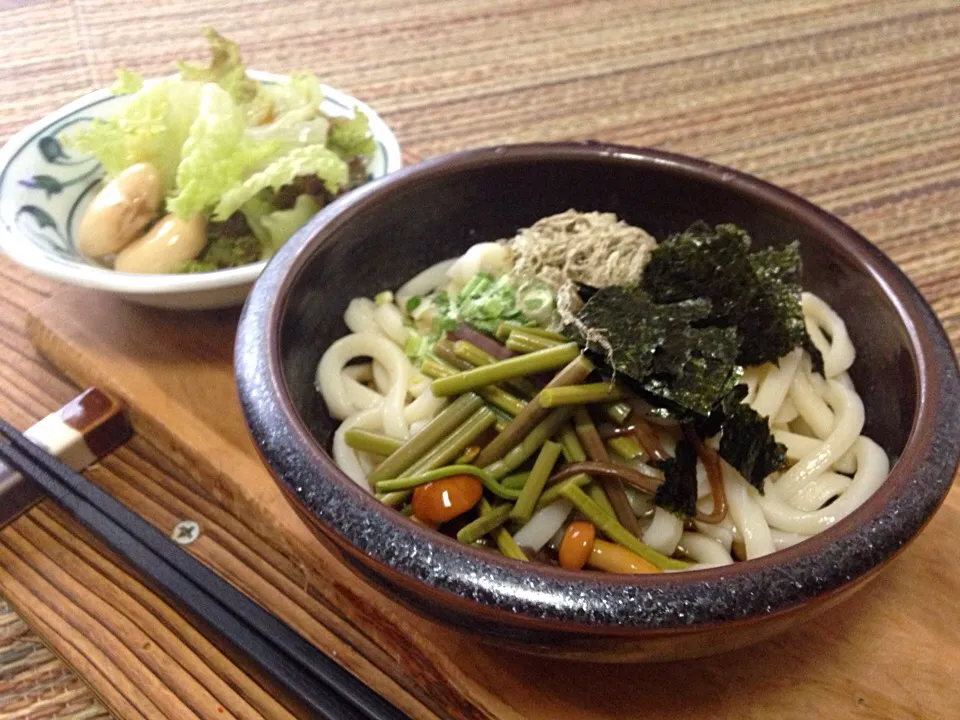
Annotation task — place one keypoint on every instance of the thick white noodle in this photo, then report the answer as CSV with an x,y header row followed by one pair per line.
x,y
799,445
664,532
787,412
846,463
849,415
381,378
419,385
491,257
359,396
752,377
722,532
543,525
776,383
872,468
425,282
359,316
344,455
640,503
746,514
782,540
845,380
815,494
329,378
390,320
820,319
810,405
704,549
703,481
423,407
361,372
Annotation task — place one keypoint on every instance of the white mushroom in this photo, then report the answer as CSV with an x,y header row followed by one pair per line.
x,y
120,211
168,244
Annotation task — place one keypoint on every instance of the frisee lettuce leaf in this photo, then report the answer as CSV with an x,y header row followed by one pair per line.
x,y
216,154
281,224
222,141
351,136
152,127
315,160
127,82
225,69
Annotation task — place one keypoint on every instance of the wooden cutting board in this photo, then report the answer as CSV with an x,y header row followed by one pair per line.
x,y
891,652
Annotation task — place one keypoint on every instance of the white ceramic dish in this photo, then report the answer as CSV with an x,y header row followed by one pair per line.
x,y
44,191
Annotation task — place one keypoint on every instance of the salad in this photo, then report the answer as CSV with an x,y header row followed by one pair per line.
x,y
211,169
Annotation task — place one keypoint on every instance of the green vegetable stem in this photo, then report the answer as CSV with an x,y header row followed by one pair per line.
x,y
513,367
418,445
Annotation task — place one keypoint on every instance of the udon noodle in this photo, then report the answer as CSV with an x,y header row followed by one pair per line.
x,y
371,380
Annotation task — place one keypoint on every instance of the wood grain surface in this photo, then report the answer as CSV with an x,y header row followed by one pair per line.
x,y
183,403
855,105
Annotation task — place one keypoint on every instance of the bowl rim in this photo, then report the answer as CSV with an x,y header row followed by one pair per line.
x,y
505,590
91,276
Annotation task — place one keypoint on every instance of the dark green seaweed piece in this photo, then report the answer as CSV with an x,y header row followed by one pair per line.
x,y
659,349
678,491
694,367
757,293
747,443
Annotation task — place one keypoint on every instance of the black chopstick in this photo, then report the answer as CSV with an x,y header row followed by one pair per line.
x,y
310,680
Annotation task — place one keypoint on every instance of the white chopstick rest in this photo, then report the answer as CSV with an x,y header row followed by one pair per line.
x,y
62,441
80,433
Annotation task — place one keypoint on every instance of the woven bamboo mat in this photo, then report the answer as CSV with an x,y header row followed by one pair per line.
x,y
854,104
34,683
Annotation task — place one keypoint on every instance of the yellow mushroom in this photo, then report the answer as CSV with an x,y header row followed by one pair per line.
x,y
168,244
120,211
616,559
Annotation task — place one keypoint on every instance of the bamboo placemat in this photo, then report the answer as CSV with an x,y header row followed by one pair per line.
x,y
34,683
853,104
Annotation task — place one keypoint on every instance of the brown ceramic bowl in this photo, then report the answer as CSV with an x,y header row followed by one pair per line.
x,y
385,232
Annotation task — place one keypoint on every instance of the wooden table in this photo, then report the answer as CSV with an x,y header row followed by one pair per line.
x,y
853,104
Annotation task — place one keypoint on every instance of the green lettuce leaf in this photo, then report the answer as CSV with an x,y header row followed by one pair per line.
x,y
351,136
225,69
216,154
152,127
301,161
127,82
281,224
